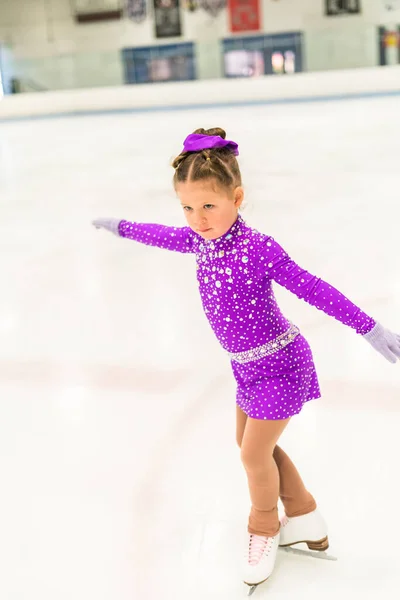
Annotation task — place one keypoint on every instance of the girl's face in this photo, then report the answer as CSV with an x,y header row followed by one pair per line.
x,y
209,209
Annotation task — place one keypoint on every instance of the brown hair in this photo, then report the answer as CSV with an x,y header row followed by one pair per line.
x,y
217,164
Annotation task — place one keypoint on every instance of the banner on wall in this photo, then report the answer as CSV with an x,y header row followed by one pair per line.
x,y
136,10
213,7
244,15
342,7
91,11
389,45
167,18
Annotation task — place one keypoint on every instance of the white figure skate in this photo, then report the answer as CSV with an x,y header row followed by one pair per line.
x,y
307,529
260,560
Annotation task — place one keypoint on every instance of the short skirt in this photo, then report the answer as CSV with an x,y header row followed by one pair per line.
x,y
277,386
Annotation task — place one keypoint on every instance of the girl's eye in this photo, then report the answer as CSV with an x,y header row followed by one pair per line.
x,y
187,208
209,206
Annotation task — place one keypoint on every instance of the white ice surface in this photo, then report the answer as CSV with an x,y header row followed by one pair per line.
x,y
119,474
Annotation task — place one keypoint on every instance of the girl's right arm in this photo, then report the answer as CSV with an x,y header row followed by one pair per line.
x,y
177,239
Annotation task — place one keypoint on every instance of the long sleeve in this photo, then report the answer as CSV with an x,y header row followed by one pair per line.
x,y
177,239
275,263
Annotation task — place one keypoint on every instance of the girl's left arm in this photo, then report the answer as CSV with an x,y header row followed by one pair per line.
x,y
275,263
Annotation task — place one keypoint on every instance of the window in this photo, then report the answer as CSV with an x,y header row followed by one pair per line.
x,y
159,63
252,56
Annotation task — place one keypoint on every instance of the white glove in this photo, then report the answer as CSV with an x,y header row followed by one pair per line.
x,y
384,341
108,224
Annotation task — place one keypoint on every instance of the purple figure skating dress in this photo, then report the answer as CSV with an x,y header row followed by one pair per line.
x,y
271,361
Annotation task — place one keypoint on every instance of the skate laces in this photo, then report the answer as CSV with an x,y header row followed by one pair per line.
x,y
257,546
284,521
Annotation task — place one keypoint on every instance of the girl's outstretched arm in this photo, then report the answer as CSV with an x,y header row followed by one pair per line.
x,y
177,239
275,263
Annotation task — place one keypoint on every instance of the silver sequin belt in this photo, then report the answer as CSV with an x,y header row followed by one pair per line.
x,y
269,348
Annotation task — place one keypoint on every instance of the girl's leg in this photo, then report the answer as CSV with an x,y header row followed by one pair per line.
x,y
295,498
294,495
258,443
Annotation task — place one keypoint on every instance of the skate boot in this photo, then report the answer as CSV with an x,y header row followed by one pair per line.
x,y
260,559
310,529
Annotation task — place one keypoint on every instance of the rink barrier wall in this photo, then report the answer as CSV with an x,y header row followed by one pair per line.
x,y
302,87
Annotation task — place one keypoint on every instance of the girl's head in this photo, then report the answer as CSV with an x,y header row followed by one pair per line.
x,y
208,183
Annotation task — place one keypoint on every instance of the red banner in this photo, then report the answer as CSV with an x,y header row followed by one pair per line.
x,y
244,15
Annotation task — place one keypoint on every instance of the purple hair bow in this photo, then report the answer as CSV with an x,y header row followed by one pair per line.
x,y
195,142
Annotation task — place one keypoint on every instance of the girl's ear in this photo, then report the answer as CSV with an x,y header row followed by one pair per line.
x,y
238,195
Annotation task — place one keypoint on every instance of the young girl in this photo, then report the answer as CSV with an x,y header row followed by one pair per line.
x,y
271,361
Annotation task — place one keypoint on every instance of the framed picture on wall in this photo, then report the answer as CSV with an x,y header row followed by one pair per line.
x,y
167,17
342,7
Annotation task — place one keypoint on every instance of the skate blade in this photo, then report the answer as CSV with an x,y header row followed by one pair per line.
x,y
254,586
253,589
313,553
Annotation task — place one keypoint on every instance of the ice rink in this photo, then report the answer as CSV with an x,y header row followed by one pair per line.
x,y
120,477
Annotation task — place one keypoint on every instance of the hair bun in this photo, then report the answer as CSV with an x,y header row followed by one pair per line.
x,y
212,131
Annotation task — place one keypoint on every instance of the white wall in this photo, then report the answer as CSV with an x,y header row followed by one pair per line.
x,y
52,49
